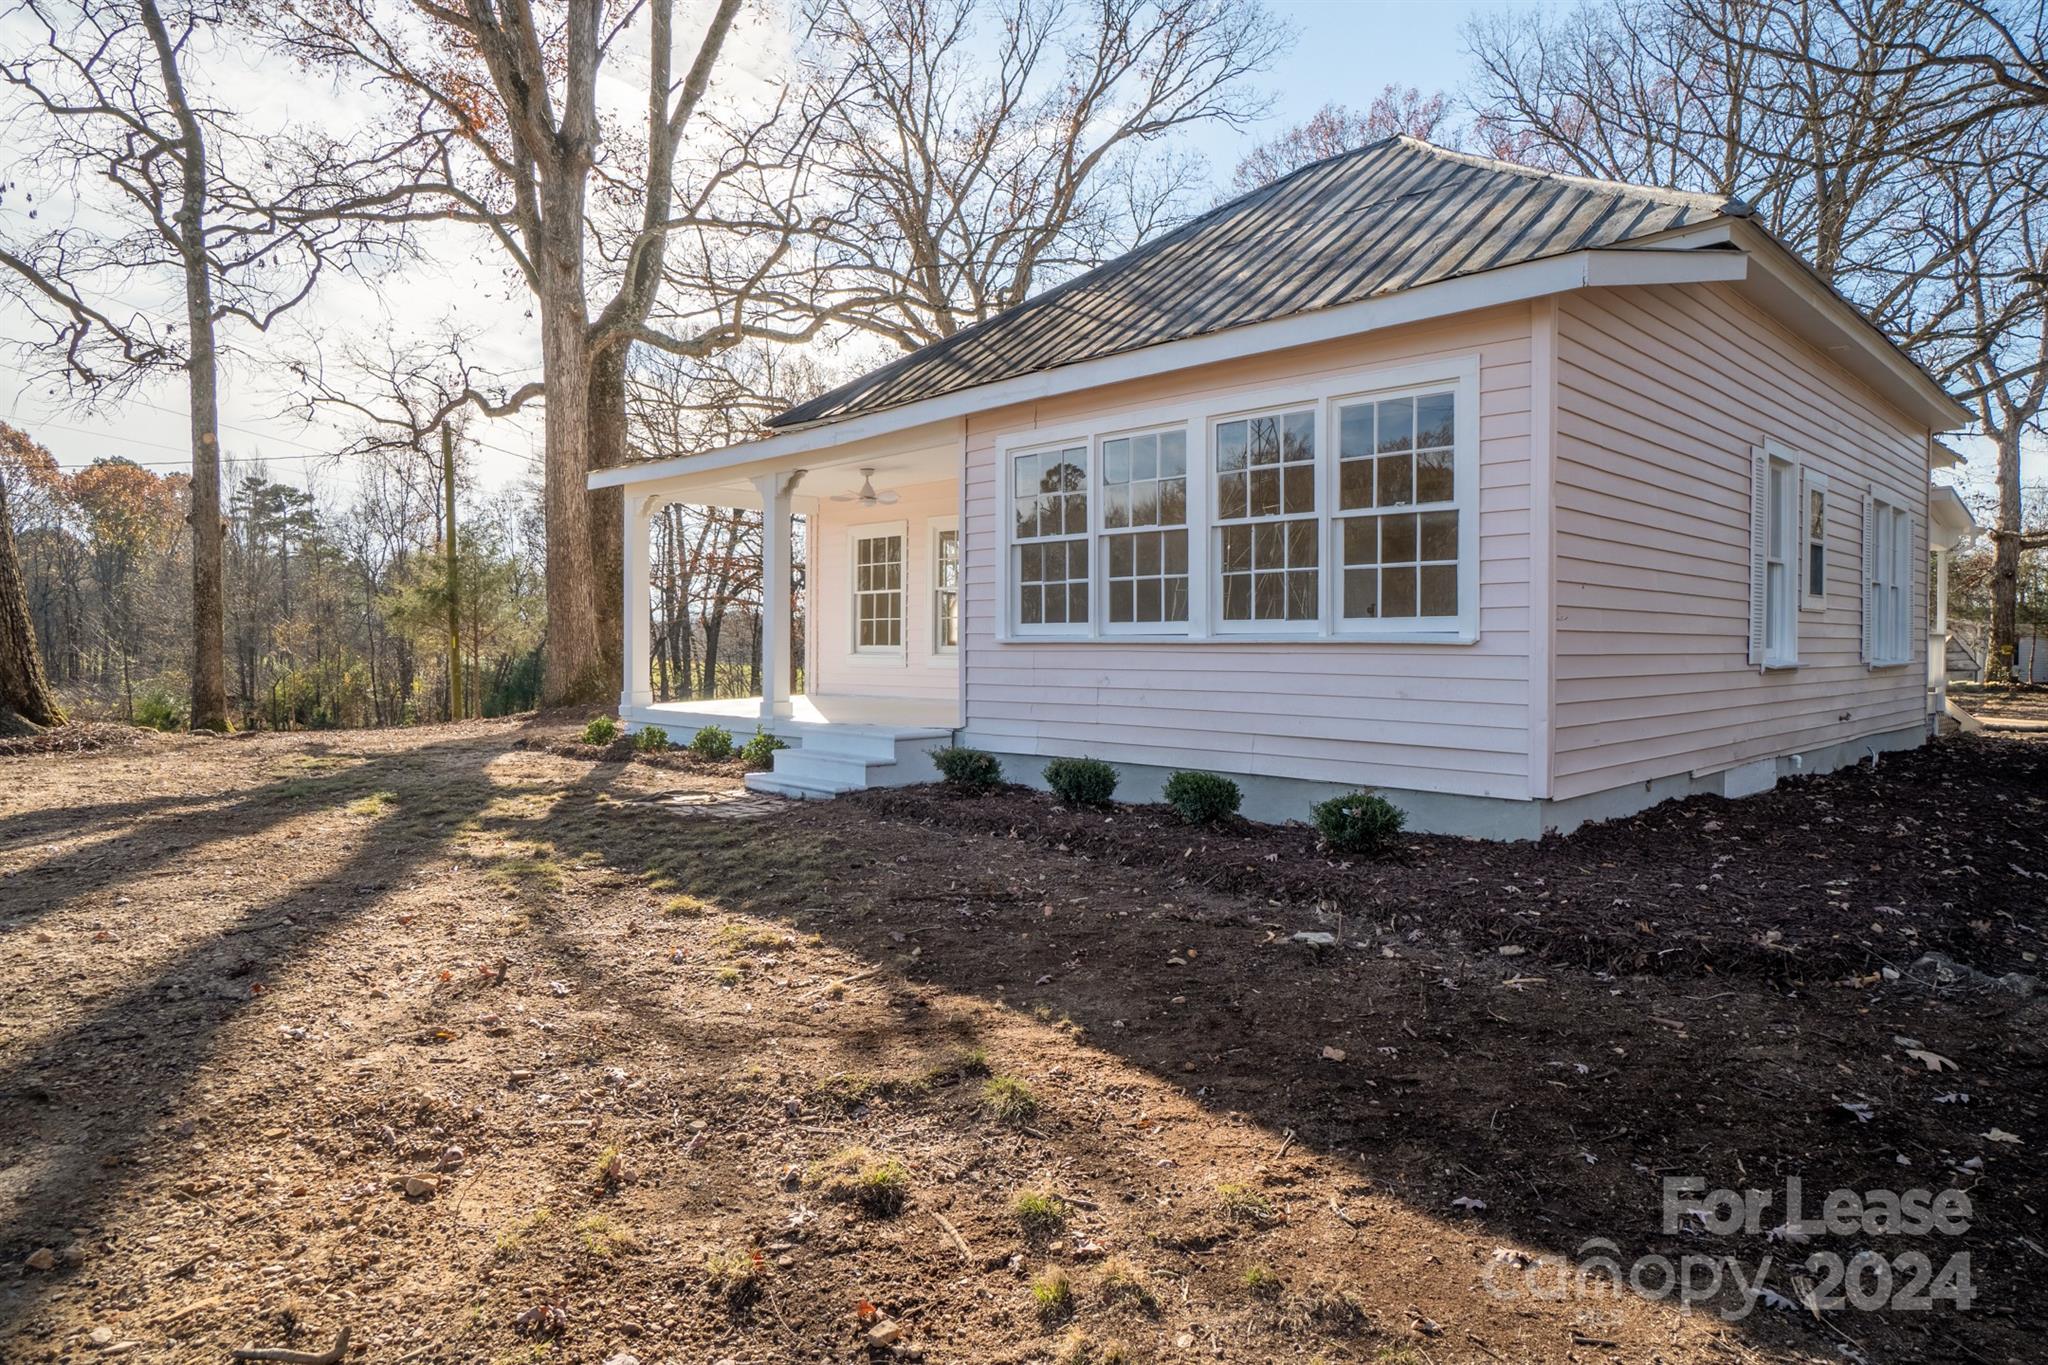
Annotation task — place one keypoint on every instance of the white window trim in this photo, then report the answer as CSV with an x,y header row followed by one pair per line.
x,y
1199,413
1765,652
1814,596
875,654
1099,533
943,654
1007,558
1878,504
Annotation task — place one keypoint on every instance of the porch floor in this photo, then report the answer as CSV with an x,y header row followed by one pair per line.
x,y
907,716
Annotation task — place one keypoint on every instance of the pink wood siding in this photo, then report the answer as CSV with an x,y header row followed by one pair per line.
x,y
1661,395
919,671
1445,718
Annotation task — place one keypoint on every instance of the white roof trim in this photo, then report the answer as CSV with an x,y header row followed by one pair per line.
x,y
1950,517
1487,289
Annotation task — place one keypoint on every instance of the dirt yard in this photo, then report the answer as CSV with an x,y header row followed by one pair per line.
x,y
486,1052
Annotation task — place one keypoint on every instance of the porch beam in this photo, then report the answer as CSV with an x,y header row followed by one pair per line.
x,y
775,490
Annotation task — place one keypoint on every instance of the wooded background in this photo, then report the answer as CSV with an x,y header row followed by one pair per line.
x,y
712,210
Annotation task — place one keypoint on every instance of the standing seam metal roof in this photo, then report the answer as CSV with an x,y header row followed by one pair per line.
x,y
1387,217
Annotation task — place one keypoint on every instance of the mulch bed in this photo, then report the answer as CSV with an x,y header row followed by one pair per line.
x,y
621,750
1937,850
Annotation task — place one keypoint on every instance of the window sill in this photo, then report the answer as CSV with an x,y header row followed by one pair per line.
x,y
879,656
1780,665
1416,637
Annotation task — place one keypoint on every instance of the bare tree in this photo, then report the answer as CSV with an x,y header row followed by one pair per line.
x,y
159,189
25,699
516,90
1334,129
968,153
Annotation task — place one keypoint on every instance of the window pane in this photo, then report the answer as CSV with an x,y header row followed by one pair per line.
x,y
1230,495
1397,593
1116,460
1265,440
1396,422
1116,507
1177,599
1268,601
1265,500
1237,597
1301,543
1433,420
1439,535
1230,445
1354,430
1147,553
1145,457
1176,551
1301,595
1397,539
1396,480
1433,478
1300,436
1120,599
1362,540
1301,488
1354,484
1173,454
1439,590
1027,475
1119,556
1361,592
1148,599
1237,548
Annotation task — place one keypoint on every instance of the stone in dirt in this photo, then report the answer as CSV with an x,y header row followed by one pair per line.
x,y
1316,940
887,1332
42,1258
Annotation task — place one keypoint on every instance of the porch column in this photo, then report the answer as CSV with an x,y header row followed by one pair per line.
x,y
775,647
637,687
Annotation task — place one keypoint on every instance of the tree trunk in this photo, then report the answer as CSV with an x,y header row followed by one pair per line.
x,y
23,688
2005,562
455,695
572,670
209,599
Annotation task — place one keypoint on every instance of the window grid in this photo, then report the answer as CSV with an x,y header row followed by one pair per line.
x,y
946,590
878,591
1891,584
1050,510
1268,532
1814,516
1144,484
1397,478
1781,528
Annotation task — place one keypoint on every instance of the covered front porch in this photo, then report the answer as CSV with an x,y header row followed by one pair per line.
x,y
877,581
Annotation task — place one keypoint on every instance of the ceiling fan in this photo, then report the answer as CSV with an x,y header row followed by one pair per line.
x,y
867,497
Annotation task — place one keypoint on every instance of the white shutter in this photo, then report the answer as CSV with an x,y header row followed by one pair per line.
x,y
1759,542
1868,570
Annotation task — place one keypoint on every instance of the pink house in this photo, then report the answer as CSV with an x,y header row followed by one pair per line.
x,y
1526,500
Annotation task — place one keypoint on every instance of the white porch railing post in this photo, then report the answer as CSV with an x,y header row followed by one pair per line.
x,y
637,686
775,645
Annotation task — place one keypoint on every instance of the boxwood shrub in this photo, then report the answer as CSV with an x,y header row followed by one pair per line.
x,y
1359,822
759,752
601,730
651,740
1202,798
713,742
1081,781
973,769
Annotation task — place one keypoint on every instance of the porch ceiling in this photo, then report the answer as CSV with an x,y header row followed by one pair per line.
x,y
924,454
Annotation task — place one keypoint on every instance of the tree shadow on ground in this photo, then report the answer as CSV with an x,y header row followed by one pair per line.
x,y
1558,1103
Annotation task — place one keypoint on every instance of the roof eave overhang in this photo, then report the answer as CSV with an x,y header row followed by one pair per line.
x,y
1607,268
1787,288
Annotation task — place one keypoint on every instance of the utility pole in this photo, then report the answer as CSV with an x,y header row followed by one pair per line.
x,y
456,705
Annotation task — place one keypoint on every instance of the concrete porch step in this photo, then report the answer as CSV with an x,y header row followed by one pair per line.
x,y
771,784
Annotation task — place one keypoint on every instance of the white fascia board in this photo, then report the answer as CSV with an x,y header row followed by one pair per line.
x,y
1488,289
1786,288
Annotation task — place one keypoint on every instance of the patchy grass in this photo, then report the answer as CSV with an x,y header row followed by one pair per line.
x,y
735,1278
1009,1100
1122,1282
375,804
1041,1213
606,1237
687,907
878,1186
512,1237
1261,1281
1244,1204
1053,1292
